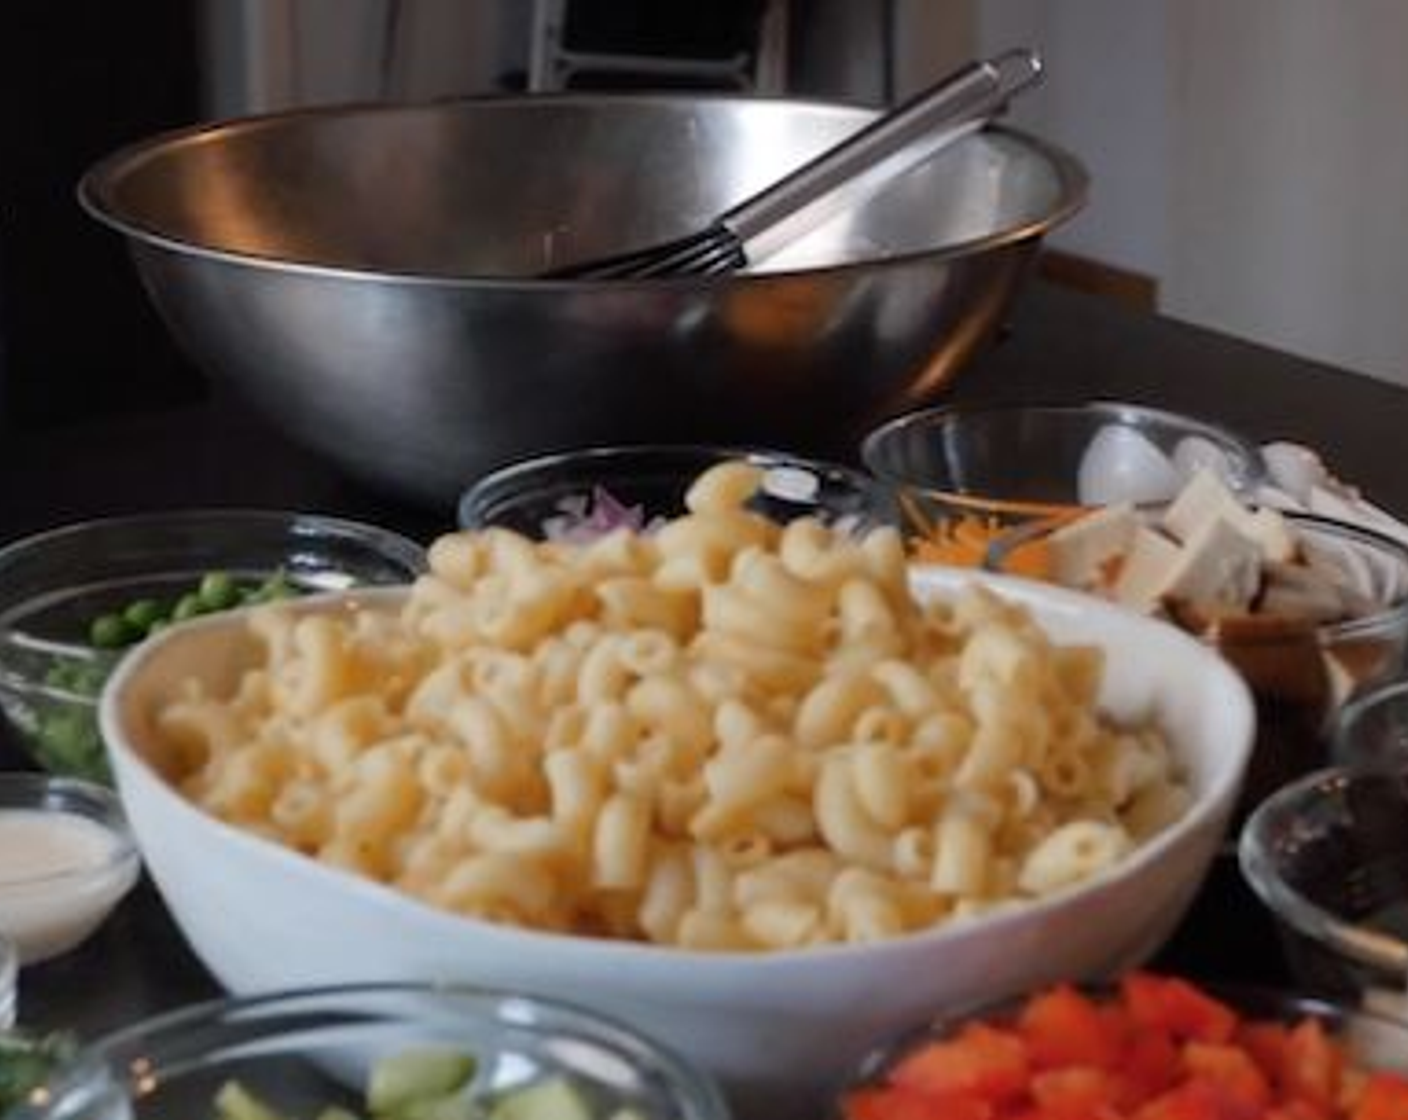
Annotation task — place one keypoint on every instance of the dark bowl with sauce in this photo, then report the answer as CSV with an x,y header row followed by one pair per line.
x,y
1328,855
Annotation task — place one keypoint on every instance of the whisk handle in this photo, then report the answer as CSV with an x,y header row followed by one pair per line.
x,y
951,107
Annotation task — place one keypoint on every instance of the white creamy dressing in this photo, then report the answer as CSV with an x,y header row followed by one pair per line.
x,y
58,879
35,844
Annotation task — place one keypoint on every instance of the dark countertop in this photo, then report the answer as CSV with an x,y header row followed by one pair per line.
x,y
1062,346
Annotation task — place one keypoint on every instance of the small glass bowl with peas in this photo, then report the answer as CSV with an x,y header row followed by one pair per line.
x,y
74,599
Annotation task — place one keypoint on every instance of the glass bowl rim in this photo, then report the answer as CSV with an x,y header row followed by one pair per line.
x,y
694,1091
9,977
44,793
490,487
23,686
393,546
1390,690
1116,412
1005,542
391,543
1381,951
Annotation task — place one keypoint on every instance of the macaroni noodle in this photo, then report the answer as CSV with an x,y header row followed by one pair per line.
x,y
725,735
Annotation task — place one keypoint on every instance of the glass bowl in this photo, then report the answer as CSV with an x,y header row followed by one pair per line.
x,y
302,1051
1375,1040
9,977
29,1058
1328,854
1301,674
963,473
579,494
1372,729
56,586
67,857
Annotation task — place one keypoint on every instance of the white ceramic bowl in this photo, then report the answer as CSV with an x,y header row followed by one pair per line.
x,y
772,1026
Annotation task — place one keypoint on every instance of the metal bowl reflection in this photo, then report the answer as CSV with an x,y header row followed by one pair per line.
x,y
365,274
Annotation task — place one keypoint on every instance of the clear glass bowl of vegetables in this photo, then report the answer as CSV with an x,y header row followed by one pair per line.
x,y
1145,1046
393,1051
75,598
578,495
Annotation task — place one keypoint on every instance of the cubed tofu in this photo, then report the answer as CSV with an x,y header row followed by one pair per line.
x,y
1273,533
1219,568
1204,499
1298,591
1150,563
1081,552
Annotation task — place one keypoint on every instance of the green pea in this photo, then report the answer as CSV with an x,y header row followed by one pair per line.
x,y
277,586
88,679
61,674
66,741
218,591
188,606
143,613
111,631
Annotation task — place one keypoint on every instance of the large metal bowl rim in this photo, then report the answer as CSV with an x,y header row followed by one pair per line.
x,y
94,195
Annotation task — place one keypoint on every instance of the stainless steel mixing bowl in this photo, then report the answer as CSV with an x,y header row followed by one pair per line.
x,y
364,274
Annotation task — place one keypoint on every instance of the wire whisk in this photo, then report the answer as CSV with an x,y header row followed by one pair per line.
x,y
843,175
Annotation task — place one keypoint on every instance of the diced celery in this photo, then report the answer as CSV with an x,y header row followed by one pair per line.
x,y
417,1075
456,1106
235,1102
553,1099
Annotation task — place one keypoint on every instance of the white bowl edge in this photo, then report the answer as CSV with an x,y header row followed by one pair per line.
x,y
779,995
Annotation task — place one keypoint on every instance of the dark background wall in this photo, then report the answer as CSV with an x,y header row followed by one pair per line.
x,y
77,79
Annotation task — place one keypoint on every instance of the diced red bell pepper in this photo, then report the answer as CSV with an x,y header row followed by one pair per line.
x,y
1385,1097
898,1102
1230,1069
1266,1043
1312,1066
1174,1005
1075,1093
1297,1110
1062,1027
981,1061
1193,1100
1152,1065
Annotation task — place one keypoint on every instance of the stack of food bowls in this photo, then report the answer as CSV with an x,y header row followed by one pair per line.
x,y
993,485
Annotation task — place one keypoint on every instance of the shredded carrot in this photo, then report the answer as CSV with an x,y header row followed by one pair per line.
x,y
965,541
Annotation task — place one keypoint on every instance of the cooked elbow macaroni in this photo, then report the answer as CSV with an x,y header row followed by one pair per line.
x,y
726,735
